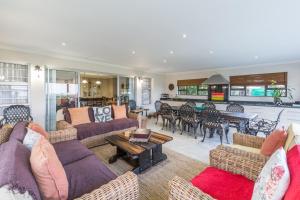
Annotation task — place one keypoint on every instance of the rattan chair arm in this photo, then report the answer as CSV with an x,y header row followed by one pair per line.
x,y
236,164
248,140
124,187
180,189
132,115
61,125
63,135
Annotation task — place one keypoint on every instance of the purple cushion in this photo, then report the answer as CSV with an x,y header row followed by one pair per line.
x,y
71,151
92,129
86,175
120,124
19,131
15,169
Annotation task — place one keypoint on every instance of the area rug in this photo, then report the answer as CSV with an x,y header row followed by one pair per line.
x,y
154,181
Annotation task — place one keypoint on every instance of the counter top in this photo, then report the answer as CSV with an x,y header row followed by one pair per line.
x,y
246,103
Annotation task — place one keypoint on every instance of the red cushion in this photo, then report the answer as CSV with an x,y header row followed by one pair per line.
x,y
224,185
293,158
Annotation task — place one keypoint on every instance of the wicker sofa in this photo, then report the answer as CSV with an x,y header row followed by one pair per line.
x,y
240,170
88,177
94,133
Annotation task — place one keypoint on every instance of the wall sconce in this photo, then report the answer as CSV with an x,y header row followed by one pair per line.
x,y
38,69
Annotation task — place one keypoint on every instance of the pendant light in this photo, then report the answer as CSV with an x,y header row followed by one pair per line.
x,y
84,81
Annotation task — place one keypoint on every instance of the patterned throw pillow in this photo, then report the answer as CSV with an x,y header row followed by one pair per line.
x,y
31,138
102,114
5,132
274,179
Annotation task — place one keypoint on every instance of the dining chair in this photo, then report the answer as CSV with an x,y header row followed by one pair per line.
x,y
264,126
235,107
208,104
157,105
133,108
188,118
191,103
16,113
214,123
168,117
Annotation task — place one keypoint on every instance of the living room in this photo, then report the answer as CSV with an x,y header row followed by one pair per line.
x,y
149,100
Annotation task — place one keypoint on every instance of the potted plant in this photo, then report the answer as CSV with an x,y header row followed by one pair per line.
x,y
278,93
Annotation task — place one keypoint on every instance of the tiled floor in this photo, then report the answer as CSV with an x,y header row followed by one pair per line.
x,y
186,144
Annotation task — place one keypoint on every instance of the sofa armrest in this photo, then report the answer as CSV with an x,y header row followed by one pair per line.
x,y
63,135
124,187
180,189
61,125
236,164
248,140
245,154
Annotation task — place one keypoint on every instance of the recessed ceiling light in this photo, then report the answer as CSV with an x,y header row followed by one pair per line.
x,y
256,57
63,44
211,52
133,52
171,52
184,35
165,61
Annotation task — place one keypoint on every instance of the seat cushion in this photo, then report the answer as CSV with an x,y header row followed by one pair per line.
x,y
124,123
19,131
92,129
293,159
86,175
223,185
245,148
15,170
71,151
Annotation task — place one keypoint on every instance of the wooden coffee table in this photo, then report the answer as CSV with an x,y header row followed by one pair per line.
x,y
139,154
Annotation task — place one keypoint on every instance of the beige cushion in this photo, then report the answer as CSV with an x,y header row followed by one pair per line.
x,y
5,132
293,136
245,148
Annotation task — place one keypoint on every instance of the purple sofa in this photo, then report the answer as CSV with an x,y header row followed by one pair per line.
x,y
94,133
88,177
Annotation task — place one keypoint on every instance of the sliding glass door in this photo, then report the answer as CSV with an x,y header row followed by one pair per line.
x,y
62,90
126,87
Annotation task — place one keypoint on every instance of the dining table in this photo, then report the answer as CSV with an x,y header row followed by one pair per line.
x,y
243,118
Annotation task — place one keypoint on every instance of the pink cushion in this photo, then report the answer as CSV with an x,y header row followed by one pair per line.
x,y
79,115
293,158
39,129
273,142
48,171
223,185
119,111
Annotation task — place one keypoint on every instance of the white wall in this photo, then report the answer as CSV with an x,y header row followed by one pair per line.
x,y
293,70
37,98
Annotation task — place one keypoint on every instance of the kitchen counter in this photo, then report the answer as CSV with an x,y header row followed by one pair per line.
x,y
245,103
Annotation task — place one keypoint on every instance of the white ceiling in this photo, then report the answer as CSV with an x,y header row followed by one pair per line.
x,y
238,32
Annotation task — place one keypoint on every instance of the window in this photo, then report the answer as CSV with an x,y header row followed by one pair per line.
x,y
259,85
146,91
202,90
14,85
193,90
255,91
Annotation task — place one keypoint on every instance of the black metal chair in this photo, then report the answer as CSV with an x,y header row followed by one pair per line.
x,y
235,107
16,113
191,103
168,117
264,126
133,108
188,118
210,105
157,105
214,123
